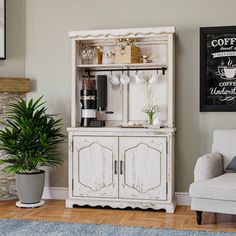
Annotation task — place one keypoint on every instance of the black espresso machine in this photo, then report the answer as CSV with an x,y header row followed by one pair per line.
x,y
93,98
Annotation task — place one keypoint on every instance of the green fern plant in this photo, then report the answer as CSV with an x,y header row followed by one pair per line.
x,y
30,137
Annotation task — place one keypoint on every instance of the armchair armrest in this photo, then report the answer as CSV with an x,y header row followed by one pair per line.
x,y
208,167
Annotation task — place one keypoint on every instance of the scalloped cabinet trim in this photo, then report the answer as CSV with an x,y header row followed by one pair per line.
x,y
117,33
113,203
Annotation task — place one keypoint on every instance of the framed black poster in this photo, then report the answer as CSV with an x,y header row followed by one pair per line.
x,y
2,29
218,68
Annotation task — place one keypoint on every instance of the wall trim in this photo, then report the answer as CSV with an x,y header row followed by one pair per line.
x,y
183,198
59,193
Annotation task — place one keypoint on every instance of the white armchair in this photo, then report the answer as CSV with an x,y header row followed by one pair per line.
x,y
214,190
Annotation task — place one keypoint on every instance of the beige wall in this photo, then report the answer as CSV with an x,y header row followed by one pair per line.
x,y
14,65
48,61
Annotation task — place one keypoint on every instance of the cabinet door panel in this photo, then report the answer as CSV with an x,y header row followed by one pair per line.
x,y
143,168
93,166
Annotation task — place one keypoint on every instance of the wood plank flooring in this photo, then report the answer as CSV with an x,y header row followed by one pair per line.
x,y
184,218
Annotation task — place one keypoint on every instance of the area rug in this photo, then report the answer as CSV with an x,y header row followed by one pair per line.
x,y
12,227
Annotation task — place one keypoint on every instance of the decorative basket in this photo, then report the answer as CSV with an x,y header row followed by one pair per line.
x,y
127,54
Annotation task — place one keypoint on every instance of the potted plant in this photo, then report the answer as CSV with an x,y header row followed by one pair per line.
x,y
29,138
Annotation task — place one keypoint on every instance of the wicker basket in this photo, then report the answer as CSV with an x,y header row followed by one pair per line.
x,y
127,54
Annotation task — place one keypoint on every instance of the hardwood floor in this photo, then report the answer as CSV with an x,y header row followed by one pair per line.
x,y
184,218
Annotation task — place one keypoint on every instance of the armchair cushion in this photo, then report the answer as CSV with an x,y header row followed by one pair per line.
x,y
232,165
222,187
208,166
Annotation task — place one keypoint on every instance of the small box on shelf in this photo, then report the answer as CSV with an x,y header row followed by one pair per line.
x,y
127,54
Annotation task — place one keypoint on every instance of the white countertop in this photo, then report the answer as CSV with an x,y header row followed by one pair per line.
x,y
120,129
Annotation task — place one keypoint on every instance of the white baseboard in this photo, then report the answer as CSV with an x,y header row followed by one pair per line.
x,y
55,193
182,198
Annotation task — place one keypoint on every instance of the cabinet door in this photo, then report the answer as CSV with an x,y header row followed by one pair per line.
x,y
142,168
95,166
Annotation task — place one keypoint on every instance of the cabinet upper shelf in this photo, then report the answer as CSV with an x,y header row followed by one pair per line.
x,y
120,66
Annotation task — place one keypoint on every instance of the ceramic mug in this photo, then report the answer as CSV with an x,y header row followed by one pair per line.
x,y
153,79
139,79
115,80
124,79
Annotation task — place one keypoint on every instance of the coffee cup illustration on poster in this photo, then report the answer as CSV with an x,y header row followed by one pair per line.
x,y
218,68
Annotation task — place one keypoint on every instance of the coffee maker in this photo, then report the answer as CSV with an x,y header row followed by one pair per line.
x,y
94,102
88,100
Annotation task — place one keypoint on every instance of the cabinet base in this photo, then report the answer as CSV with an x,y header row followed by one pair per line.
x,y
122,203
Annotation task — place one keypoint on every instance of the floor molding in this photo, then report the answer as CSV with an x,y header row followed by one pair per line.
x,y
58,193
182,198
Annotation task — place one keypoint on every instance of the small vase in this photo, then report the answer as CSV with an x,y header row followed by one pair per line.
x,y
150,118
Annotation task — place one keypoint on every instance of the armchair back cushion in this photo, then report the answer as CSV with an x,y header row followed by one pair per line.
x,y
224,142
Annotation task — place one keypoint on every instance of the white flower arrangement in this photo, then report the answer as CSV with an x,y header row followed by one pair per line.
x,y
151,109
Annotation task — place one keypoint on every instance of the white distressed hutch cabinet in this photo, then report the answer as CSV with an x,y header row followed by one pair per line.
x,y
125,166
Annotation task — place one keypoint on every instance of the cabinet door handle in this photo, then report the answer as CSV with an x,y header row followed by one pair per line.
x,y
115,167
121,167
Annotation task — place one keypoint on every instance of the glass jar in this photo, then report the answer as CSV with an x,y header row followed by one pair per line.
x,y
87,55
110,57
